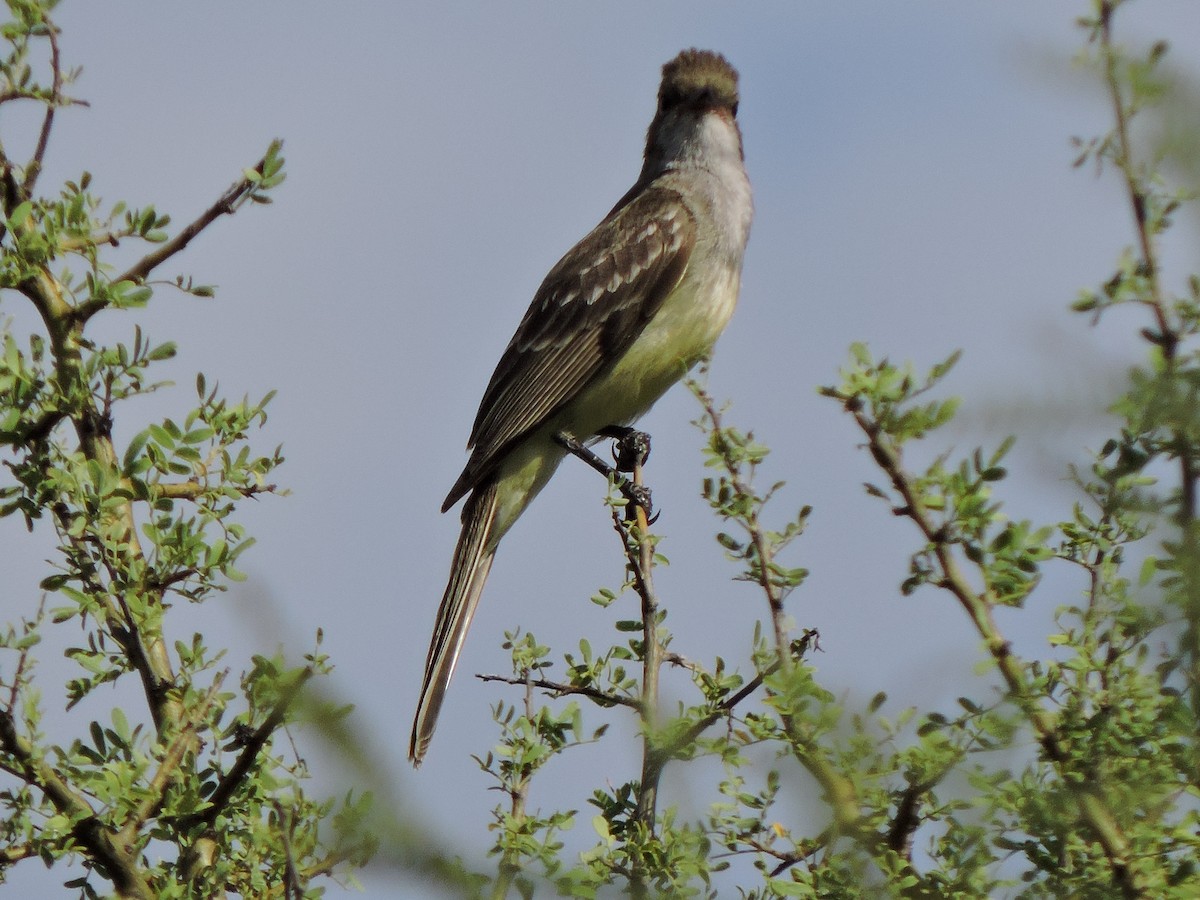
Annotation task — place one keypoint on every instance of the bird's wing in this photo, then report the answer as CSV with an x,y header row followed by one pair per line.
x,y
587,312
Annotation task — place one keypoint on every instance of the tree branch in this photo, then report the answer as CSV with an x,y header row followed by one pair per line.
x,y
37,430
559,689
150,657
839,790
16,853
254,744
906,821
1093,806
122,866
799,647
762,548
122,626
184,742
785,859
35,164
226,205
194,490
639,551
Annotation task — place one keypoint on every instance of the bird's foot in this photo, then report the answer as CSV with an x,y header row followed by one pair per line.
x,y
638,496
632,447
631,450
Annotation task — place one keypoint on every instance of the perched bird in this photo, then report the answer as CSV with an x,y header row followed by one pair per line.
x,y
618,320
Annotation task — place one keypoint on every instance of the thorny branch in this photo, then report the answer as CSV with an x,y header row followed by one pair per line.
x,y
1167,336
35,166
839,790
251,749
560,689
183,743
750,521
227,205
193,490
88,829
978,606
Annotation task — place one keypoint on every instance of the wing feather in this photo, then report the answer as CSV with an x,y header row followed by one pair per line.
x,y
590,308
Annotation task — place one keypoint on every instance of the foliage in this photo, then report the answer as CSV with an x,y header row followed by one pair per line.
x,y
190,794
1079,777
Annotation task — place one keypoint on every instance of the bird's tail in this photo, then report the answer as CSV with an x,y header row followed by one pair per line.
x,y
468,572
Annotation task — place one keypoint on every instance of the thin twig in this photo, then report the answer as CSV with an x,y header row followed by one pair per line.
x,y
123,627
762,548
16,853
559,689
639,544
22,663
184,742
293,889
636,494
639,553
518,793
1168,336
122,866
35,164
254,744
786,859
839,790
194,490
138,272
1092,803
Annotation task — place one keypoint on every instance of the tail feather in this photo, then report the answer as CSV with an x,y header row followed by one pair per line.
x,y
468,572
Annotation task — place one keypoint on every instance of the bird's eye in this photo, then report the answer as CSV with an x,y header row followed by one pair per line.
x,y
734,109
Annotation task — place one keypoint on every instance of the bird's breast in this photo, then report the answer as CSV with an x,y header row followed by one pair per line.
x,y
682,331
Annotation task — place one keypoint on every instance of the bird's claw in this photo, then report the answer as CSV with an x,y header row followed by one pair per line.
x,y
638,496
632,447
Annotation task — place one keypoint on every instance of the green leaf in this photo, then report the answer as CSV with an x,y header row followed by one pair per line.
x,y
198,435
19,215
163,351
161,437
120,724
133,451
26,641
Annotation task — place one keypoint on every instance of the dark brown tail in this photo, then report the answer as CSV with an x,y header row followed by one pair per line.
x,y
468,572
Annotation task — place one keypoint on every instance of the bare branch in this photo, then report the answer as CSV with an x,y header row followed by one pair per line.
x,y
225,206
559,689
35,164
194,490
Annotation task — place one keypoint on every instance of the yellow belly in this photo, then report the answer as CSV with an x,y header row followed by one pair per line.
x,y
679,335
683,331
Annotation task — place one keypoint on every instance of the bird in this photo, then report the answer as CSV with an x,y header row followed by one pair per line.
x,y
617,321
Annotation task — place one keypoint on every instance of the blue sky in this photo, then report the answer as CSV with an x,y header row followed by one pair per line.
x,y
911,166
